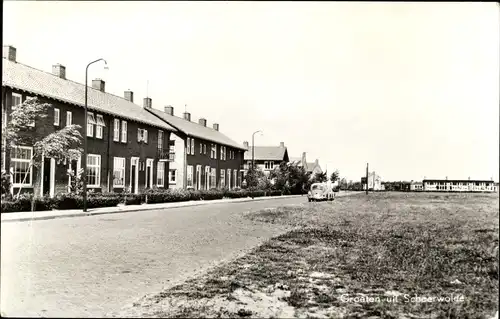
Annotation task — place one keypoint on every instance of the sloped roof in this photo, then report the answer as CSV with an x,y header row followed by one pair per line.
x,y
194,129
22,77
271,153
311,166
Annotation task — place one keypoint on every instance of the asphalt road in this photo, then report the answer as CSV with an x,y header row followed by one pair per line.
x,y
93,266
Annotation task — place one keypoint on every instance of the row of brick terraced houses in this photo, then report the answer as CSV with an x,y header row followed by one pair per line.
x,y
129,146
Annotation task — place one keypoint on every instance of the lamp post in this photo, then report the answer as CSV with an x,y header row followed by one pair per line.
x,y
253,148
85,137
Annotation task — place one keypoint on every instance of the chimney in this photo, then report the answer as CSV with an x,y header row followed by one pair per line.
x,y
245,144
9,53
129,96
169,109
148,103
282,144
203,122
316,161
187,116
216,126
98,84
59,70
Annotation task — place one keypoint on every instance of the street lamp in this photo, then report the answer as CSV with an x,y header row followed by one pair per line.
x,y
85,137
253,148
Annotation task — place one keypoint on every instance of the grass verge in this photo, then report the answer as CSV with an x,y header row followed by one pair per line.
x,y
385,255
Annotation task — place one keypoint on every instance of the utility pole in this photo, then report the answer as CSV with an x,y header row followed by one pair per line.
x,y
366,178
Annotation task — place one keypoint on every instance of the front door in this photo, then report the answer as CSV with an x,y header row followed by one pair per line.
x,y
46,176
198,176
133,173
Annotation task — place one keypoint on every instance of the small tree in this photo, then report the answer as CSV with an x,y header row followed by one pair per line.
x,y
280,175
320,177
254,177
59,145
298,179
335,176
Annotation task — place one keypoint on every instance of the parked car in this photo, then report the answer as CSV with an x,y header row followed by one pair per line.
x,y
320,191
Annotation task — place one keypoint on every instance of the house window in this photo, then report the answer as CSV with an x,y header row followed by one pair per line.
x,y
266,165
213,181
142,135
229,178
69,118
57,116
100,126
212,151
204,148
124,131
90,124
119,172
207,177
222,178
172,176
235,176
215,150
190,176
201,148
188,145
160,140
20,161
271,165
116,130
17,99
160,174
93,170
192,146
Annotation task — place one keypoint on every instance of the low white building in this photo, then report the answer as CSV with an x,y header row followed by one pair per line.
x,y
374,182
445,185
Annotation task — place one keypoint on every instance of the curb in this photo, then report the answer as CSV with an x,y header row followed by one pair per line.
x,y
136,209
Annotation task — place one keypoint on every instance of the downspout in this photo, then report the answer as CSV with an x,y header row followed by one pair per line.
x,y
109,157
185,161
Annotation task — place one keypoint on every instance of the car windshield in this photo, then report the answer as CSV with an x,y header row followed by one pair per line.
x,y
317,187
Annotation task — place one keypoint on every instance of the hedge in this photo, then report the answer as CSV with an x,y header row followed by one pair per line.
x,y
95,200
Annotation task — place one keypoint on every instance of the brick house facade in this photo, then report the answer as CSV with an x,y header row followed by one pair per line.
x,y
127,146
205,157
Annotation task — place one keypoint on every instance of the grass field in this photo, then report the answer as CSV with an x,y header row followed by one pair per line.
x,y
385,255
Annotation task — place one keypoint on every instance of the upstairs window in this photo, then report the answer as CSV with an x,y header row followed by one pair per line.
x,y
99,126
142,135
124,131
192,146
204,148
160,139
90,124
116,130
188,145
57,116
69,118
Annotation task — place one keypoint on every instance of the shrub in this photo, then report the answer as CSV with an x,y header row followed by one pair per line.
x,y
133,199
99,200
23,204
68,201
5,181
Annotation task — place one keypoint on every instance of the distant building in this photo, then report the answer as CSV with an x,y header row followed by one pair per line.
x,y
416,186
266,157
312,167
374,182
455,185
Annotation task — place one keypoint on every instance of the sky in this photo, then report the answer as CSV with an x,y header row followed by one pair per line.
x,y
412,89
